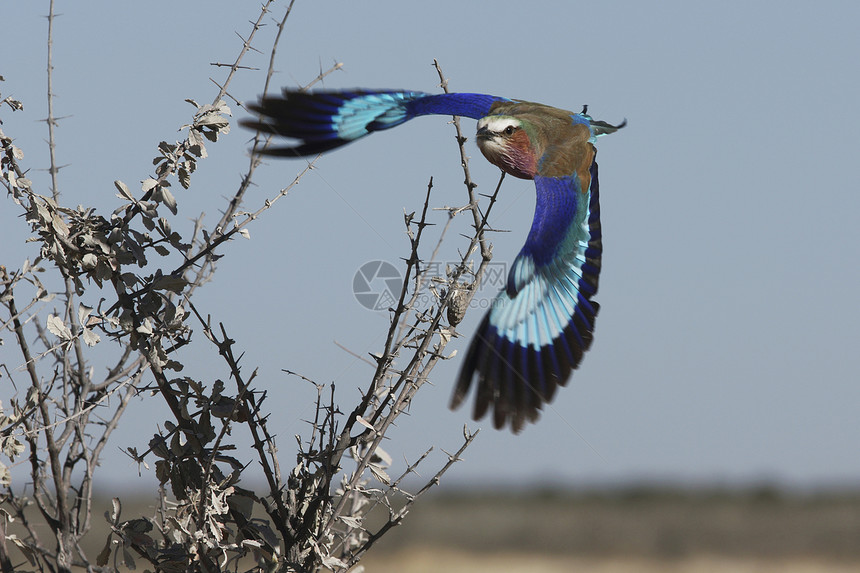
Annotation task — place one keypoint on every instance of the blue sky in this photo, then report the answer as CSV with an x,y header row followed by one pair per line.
x,y
725,349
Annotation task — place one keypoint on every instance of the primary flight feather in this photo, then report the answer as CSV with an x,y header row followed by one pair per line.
x,y
540,325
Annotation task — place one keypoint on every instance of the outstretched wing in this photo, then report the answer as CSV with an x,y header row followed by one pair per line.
x,y
324,120
539,327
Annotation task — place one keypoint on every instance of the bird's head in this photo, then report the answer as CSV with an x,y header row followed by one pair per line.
x,y
506,143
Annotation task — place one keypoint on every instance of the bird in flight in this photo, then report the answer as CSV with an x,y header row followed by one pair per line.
x,y
540,325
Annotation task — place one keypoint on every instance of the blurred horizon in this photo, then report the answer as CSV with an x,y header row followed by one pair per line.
x,y
640,530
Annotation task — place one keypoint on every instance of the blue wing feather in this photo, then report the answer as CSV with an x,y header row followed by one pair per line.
x,y
539,327
324,120
470,105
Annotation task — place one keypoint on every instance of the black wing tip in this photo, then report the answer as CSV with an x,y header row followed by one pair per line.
x,y
517,382
304,149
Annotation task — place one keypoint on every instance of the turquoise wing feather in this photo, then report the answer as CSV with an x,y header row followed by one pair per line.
x,y
540,326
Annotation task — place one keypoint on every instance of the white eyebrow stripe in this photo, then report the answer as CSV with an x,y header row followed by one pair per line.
x,y
498,123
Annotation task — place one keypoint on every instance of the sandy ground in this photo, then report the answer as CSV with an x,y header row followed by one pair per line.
x,y
637,531
441,560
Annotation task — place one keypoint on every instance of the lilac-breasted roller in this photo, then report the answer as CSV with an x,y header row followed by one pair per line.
x,y
540,325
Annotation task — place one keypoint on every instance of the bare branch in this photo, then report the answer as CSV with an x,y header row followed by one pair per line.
x,y
114,287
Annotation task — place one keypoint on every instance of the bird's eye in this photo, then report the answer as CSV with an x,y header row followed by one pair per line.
x,y
510,130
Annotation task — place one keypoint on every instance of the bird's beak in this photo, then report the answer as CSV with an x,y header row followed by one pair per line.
x,y
484,133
